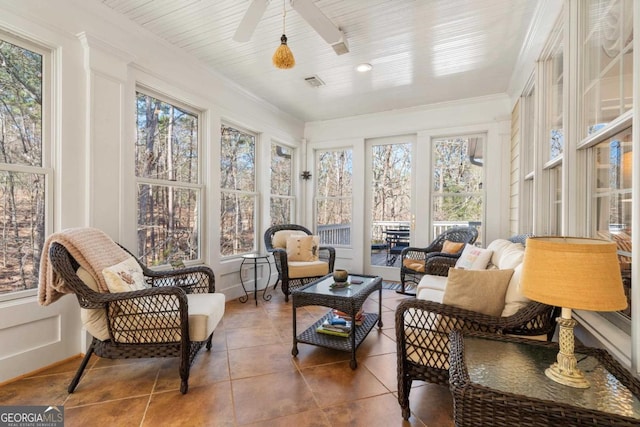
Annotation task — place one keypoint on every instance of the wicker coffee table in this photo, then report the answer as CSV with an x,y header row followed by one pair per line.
x,y
348,300
500,381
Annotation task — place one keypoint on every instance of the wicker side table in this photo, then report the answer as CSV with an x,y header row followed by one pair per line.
x,y
499,381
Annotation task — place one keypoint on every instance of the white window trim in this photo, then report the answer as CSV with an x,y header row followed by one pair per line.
x,y
291,198
254,194
198,186
47,151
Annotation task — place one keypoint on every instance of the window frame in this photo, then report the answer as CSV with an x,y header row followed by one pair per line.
x,y
46,168
291,197
197,186
317,198
481,193
255,194
623,122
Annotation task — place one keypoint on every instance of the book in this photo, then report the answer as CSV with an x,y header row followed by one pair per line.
x,y
341,329
322,330
342,315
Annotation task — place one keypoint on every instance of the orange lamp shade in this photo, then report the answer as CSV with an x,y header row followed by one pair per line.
x,y
573,272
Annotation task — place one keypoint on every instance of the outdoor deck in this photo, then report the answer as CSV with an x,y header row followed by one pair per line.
x,y
379,257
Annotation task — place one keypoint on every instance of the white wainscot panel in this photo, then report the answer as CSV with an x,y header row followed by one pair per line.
x,y
23,337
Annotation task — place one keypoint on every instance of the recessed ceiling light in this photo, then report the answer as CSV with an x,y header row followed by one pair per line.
x,y
363,68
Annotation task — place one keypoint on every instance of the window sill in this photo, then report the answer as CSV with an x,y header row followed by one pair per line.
x,y
595,331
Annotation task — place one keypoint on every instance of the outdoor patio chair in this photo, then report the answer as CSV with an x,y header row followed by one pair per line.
x,y
174,315
415,262
296,271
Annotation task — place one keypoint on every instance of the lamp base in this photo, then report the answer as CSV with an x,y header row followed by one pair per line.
x,y
574,379
565,371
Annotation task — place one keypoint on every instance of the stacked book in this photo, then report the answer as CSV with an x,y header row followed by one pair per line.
x,y
335,325
341,314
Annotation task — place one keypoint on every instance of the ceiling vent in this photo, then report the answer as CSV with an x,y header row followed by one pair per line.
x,y
314,81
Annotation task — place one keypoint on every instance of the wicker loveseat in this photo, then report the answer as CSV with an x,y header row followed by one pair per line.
x,y
173,317
423,324
293,274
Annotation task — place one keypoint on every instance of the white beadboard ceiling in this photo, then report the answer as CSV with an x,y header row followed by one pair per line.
x,y
422,51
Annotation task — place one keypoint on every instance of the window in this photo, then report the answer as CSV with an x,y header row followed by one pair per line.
x,y
554,81
239,200
168,181
607,83
527,150
457,197
553,136
333,201
282,201
555,202
24,163
608,57
611,200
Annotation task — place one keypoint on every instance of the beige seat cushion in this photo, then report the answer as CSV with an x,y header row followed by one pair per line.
x,y
298,269
431,281
427,294
414,264
431,288
205,312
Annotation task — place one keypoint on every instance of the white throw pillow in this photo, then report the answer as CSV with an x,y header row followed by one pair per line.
x,y
474,258
514,300
125,276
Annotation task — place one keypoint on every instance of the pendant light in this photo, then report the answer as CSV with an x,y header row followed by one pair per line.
x,y
283,58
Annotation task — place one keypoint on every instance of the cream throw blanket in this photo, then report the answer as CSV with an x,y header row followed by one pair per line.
x,y
90,247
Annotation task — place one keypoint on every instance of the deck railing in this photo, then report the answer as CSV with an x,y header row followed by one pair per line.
x,y
340,234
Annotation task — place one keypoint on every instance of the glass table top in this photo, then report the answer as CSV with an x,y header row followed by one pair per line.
x,y
323,286
519,369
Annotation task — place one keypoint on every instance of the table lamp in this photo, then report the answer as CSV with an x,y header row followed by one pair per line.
x,y
572,273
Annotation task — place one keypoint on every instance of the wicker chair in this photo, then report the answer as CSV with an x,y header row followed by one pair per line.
x,y
152,322
425,255
423,327
326,254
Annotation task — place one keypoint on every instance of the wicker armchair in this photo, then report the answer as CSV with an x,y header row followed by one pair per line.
x,y
152,322
326,254
433,252
422,337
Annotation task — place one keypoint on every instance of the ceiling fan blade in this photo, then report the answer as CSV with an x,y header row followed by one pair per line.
x,y
318,20
250,20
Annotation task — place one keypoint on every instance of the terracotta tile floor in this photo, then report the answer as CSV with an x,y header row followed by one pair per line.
x,y
249,378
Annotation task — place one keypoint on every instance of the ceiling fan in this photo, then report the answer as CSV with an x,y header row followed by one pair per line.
x,y
307,10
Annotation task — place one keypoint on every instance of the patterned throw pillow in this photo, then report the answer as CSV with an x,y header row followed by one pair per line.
x,y
303,248
125,276
473,258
